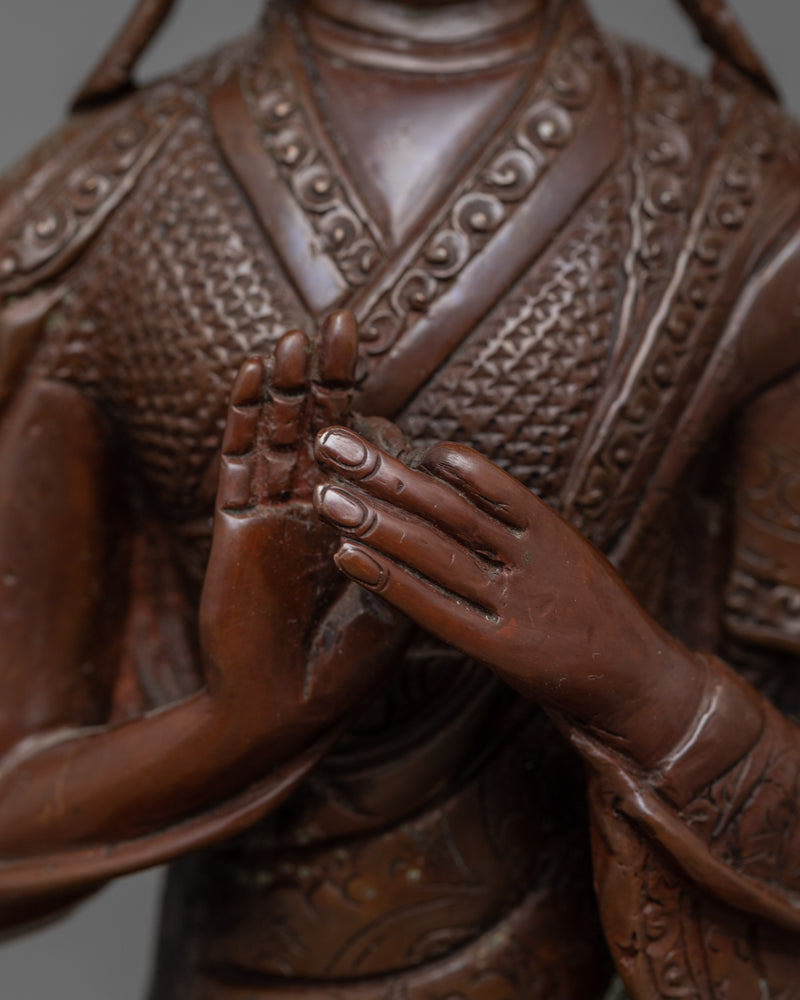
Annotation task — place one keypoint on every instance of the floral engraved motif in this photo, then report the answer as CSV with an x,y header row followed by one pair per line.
x,y
748,816
508,176
664,940
772,494
674,942
756,606
288,137
762,599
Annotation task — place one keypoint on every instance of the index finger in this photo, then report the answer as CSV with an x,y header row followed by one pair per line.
x,y
338,350
387,479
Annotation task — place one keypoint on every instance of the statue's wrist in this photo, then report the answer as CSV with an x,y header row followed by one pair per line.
x,y
688,732
726,725
648,704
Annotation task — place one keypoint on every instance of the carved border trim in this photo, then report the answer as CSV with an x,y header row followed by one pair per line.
x,y
680,340
60,222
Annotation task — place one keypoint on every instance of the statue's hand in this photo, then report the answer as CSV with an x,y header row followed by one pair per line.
x,y
474,557
270,573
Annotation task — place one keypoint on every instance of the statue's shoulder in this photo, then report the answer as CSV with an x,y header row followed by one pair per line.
x,y
56,200
715,168
691,125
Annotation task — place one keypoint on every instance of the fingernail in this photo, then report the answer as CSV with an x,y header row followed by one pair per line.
x,y
343,448
342,508
359,565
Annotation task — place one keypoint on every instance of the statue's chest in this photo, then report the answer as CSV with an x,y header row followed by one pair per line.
x,y
492,325
178,292
522,387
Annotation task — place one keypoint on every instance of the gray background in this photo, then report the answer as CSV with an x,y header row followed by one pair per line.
x,y
104,950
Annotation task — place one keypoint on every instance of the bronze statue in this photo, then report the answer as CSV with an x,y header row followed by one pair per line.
x,y
346,623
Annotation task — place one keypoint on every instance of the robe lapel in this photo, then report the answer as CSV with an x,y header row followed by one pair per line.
x,y
285,221
493,234
562,139
274,144
416,305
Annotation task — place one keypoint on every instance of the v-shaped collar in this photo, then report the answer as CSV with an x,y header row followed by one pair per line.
x,y
417,304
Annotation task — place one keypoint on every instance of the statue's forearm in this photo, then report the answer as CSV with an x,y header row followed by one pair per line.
x,y
74,786
63,773
109,784
56,550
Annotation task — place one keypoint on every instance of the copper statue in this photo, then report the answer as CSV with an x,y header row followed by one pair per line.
x,y
400,509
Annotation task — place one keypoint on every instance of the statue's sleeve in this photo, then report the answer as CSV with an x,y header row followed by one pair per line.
x,y
698,860
698,878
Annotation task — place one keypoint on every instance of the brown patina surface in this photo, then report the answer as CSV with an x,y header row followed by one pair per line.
x,y
346,623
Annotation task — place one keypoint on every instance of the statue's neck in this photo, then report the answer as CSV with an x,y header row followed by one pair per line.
x,y
464,37
410,91
465,22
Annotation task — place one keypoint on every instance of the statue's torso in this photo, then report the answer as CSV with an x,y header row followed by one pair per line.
x,y
445,834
